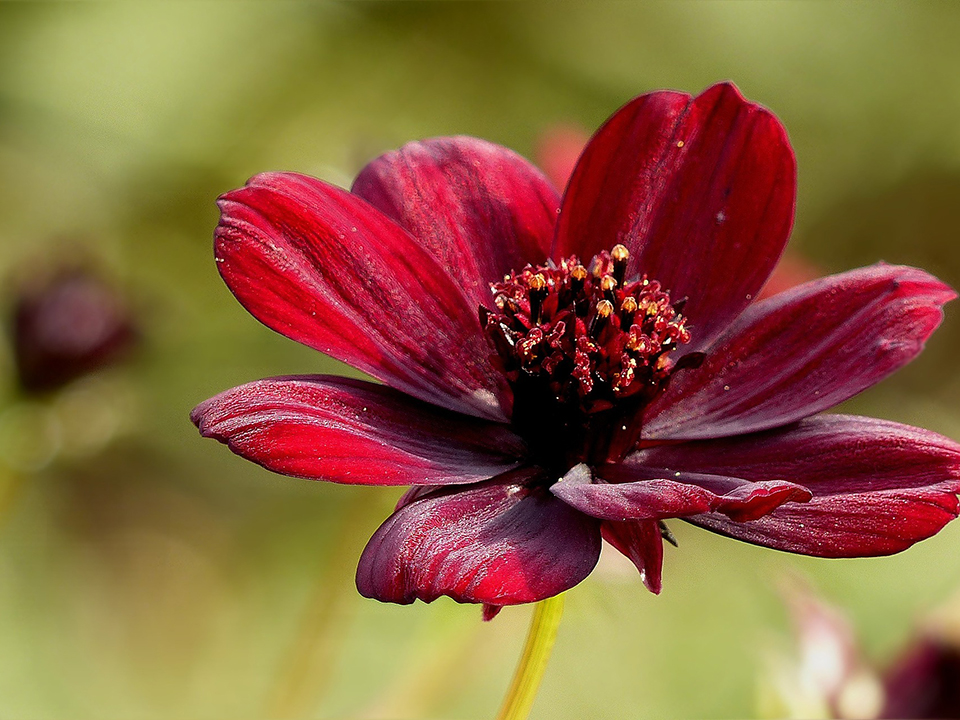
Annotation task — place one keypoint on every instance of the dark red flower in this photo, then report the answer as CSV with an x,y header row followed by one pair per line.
x,y
833,678
924,682
560,370
67,325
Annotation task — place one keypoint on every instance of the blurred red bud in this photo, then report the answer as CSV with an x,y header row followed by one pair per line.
x,y
558,150
924,682
65,326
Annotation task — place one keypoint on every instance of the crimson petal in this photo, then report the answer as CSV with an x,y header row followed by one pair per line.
x,y
649,499
480,209
326,269
852,525
803,351
878,487
634,492
700,190
498,542
351,431
640,541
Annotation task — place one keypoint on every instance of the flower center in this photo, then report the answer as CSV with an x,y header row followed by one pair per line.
x,y
584,349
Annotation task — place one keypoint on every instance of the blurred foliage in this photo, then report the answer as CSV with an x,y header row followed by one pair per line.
x,y
145,573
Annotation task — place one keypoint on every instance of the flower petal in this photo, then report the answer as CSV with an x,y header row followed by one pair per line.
x,y
640,541
852,525
649,499
803,351
633,492
742,501
480,209
701,191
499,543
878,487
326,269
351,431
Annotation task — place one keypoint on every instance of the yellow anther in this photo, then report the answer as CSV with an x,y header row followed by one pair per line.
x,y
619,254
629,305
537,294
604,309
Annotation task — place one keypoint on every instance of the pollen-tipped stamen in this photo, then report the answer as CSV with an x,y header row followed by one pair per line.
x,y
609,284
581,349
537,294
578,279
603,313
628,309
578,276
620,255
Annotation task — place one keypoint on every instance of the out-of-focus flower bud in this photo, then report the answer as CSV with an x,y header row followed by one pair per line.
x,y
831,665
924,679
558,150
829,677
66,326
924,682
792,270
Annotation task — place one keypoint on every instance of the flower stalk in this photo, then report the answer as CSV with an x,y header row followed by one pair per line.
x,y
302,677
533,662
11,483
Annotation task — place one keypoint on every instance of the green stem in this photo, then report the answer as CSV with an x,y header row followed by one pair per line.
x,y
10,486
303,673
536,652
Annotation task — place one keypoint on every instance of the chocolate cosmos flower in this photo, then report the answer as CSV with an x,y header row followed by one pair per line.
x,y
68,325
560,370
832,676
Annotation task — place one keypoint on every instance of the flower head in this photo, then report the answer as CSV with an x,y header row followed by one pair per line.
x,y
68,324
560,370
832,677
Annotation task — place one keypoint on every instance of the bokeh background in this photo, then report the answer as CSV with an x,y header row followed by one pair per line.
x,y
145,573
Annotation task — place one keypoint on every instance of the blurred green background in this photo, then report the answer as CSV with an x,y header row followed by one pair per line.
x,y
145,573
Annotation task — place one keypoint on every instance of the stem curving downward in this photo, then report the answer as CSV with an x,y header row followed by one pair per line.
x,y
533,662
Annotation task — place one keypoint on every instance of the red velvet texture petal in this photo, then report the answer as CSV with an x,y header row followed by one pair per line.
x,y
633,492
324,268
498,543
641,543
350,431
803,351
480,209
700,190
878,487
